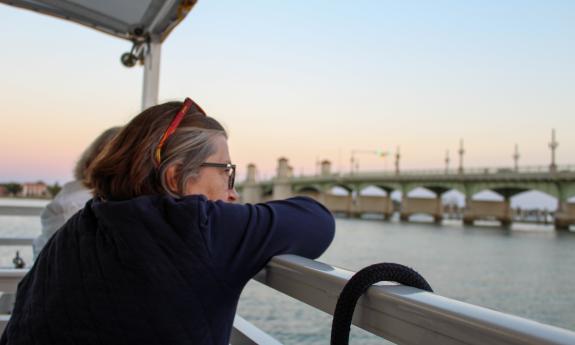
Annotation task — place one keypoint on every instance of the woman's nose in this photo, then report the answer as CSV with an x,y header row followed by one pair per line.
x,y
233,195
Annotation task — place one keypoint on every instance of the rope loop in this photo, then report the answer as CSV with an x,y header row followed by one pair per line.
x,y
358,285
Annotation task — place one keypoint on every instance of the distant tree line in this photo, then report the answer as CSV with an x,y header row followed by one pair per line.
x,y
15,189
12,188
54,189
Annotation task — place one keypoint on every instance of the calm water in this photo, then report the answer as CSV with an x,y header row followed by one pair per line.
x,y
527,271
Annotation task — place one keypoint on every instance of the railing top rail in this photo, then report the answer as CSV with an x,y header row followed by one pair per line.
x,y
16,241
11,210
12,273
398,313
403,314
9,279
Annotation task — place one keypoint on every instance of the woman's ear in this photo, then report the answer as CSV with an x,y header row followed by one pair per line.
x,y
172,178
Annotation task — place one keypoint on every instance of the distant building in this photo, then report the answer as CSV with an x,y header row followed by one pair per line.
x,y
34,189
3,191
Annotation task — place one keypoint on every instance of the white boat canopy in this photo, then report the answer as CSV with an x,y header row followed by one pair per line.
x,y
146,23
134,20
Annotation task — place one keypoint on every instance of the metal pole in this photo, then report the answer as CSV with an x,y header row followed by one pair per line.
x,y
151,73
397,157
461,152
553,146
516,158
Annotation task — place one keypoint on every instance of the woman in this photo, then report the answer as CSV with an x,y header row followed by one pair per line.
x,y
161,254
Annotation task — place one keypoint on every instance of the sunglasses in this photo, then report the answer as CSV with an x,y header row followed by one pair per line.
x,y
229,168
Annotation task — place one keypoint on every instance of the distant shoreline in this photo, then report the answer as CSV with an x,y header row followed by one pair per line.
x,y
26,197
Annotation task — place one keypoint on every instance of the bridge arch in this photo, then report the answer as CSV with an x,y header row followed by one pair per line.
x,y
267,190
487,195
386,187
386,190
509,189
421,192
437,188
312,191
521,199
307,189
534,199
568,191
348,188
453,198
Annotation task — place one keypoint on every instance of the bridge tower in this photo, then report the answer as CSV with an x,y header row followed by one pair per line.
x,y
251,175
252,191
461,152
282,185
446,162
325,168
553,146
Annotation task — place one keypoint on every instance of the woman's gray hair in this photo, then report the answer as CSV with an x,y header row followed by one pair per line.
x,y
188,151
92,151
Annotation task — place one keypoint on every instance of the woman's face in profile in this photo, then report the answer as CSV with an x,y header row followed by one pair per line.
x,y
213,182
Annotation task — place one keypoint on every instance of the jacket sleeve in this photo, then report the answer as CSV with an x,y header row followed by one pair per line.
x,y
243,238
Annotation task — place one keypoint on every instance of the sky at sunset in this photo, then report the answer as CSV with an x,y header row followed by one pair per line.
x,y
306,80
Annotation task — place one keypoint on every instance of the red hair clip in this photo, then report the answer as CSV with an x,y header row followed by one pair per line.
x,y
186,106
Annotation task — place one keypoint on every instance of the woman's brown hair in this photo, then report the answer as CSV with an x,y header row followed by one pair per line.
x,y
126,168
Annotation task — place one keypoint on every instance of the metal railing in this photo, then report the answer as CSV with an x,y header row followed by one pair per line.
x,y
406,315
16,241
20,210
243,332
401,314
9,279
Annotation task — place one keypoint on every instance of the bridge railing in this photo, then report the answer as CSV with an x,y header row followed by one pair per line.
x,y
534,169
491,171
483,170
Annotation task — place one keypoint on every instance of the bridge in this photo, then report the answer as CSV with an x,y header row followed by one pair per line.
x,y
559,182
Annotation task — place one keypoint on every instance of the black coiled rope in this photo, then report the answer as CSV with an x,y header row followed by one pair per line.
x,y
358,285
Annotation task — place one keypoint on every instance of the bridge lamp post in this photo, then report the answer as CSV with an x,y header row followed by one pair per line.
x,y
516,158
461,152
397,157
354,163
553,146
446,162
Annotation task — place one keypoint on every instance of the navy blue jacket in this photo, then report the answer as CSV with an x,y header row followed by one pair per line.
x,y
157,270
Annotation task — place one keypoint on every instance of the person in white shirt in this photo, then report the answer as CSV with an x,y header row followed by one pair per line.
x,y
73,195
